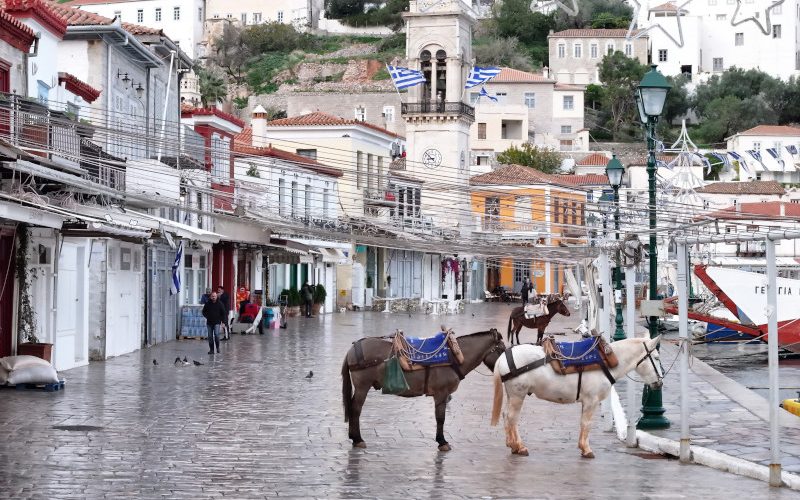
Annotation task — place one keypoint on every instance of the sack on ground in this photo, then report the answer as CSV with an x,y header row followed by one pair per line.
x,y
394,381
33,375
11,363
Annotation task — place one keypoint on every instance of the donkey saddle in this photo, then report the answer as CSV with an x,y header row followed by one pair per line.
x,y
584,355
417,353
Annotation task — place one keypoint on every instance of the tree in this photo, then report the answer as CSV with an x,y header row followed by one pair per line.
x,y
620,75
514,18
212,87
543,159
607,20
230,53
678,102
590,11
337,9
724,116
502,51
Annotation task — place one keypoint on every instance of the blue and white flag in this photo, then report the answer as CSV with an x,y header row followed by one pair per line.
x,y
485,93
404,77
792,149
736,156
721,157
176,275
773,152
478,75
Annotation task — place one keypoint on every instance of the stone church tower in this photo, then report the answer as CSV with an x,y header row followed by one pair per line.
x,y
439,43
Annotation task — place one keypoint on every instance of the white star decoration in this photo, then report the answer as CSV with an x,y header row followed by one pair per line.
x,y
642,32
536,6
753,12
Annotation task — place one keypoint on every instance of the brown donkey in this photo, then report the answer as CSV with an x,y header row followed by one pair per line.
x,y
517,319
365,371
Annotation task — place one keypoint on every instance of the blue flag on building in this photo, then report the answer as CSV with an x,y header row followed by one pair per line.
x,y
176,275
404,77
485,93
478,75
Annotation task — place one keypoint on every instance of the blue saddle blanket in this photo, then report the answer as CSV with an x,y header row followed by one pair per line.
x,y
581,353
423,349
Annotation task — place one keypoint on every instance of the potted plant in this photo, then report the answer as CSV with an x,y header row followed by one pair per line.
x,y
293,303
320,294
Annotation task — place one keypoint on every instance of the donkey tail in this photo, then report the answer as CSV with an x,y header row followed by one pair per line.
x,y
347,390
498,397
510,321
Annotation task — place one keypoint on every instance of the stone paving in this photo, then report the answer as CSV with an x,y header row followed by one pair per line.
x,y
247,424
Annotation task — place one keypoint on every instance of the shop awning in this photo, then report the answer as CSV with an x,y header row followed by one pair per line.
x,y
35,216
242,231
333,255
181,230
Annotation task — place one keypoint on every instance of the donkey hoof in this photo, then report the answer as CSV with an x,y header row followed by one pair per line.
x,y
588,455
523,452
360,444
444,447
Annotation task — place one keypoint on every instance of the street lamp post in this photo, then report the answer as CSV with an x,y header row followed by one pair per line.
x,y
614,171
650,98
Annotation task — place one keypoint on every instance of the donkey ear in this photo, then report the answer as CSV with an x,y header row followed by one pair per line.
x,y
653,343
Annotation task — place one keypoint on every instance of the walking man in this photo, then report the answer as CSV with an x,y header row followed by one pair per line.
x,y
215,313
308,298
226,303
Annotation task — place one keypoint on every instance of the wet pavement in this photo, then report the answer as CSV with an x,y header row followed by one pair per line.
x,y
248,424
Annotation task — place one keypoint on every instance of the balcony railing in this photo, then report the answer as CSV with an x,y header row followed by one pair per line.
x,y
447,108
30,125
493,224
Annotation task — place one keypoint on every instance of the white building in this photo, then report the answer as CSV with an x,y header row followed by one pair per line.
x,y
711,44
575,54
181,20
247,12
767,152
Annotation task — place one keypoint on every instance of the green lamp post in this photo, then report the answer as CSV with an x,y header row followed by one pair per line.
x,y
650,98
615,171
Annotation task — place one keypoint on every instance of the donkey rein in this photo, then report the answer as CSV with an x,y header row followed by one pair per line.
x,y
684,343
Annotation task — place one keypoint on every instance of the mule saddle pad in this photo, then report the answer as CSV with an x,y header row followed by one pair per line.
x,y
534,310
583,355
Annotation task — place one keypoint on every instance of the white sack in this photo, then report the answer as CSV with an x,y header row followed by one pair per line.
x,y
11,363
33,375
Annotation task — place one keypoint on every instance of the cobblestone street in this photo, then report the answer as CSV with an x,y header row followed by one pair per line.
x,y
248,424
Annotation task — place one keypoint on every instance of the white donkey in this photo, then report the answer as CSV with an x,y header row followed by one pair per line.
x,y
534,375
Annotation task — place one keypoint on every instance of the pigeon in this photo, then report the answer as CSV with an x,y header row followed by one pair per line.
x,y
186,361
473,315
177,360
409,315
155,363
197,363
310,374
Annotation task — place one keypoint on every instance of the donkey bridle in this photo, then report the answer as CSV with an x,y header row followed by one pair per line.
x,y
649,356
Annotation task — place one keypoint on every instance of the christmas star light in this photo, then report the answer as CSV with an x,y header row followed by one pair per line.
x,y
642,32
764,29
537,7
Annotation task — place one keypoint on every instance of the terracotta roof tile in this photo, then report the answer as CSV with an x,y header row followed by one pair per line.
x,y
515,174
42,10
583,179
750,187
242,143
509,75
766,210
564,86
15,32
776,130
78,17
594,160
188,112
319,118
665,7
78,87
596,33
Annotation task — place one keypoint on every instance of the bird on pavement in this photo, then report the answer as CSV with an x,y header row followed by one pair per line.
x,y
185,360
473,315
310,374
197,363
155,363
177,360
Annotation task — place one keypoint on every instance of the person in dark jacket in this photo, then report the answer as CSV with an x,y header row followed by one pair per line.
x,y
215,313
224,298
307,294
525,291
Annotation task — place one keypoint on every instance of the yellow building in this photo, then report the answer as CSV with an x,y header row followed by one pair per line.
x,y
517,205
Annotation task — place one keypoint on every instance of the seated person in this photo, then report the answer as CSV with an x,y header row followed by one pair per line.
x,y
248,312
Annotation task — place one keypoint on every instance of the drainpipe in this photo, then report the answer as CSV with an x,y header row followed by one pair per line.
x,y
54,310
166,102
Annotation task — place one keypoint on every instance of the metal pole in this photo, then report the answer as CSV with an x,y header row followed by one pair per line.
x,y
683,333
772,350
652,407
605,330
619,333
630,324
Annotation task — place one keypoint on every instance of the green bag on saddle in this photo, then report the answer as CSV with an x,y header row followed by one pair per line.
x,y
394,381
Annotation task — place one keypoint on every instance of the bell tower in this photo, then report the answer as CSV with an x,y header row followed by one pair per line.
x,y
439,43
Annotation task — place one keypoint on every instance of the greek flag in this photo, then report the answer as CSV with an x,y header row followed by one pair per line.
x,y
773,152
792,149
485,93
721,157
404,77
176,276
736,156
478,75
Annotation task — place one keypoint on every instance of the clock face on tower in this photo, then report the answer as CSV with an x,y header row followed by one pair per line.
x,y
432,158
